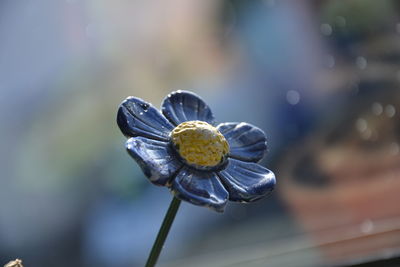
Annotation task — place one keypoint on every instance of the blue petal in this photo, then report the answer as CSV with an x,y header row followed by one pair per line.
x,y
246,142
139,118
181,106
155,158
246,181
200,188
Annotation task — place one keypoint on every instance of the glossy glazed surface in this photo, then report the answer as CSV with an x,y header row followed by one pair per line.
x,y
240,178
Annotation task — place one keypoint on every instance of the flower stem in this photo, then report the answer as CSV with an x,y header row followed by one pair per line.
x,y
163,232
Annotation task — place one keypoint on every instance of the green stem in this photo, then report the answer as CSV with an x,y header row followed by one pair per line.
x,y
163,232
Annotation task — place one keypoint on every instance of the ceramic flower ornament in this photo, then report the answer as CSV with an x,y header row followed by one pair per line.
x,y
183,148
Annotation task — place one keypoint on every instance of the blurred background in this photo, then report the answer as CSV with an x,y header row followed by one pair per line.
x,y
321,78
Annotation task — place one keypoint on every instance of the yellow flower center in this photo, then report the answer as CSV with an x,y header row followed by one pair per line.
x,y
199,143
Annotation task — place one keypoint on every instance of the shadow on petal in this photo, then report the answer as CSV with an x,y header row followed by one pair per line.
x,y
155,158
246,142
247,181
200,188
181,106
139,118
